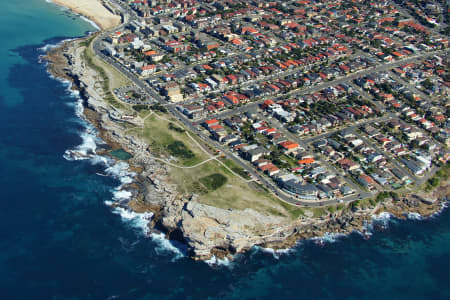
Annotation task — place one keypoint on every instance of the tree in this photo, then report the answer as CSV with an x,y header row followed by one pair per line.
x,y
427,84
394,196
434,182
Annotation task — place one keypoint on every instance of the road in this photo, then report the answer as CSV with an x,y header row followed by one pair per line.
x,y
407,84
387,155
319,87
330,167
351,127
277,75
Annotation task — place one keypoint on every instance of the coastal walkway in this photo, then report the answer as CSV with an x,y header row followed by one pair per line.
x,y
211,157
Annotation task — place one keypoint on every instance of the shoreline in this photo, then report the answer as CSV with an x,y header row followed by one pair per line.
x,y
92,10
179,218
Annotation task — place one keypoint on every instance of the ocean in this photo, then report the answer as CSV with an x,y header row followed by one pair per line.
x,y
60,240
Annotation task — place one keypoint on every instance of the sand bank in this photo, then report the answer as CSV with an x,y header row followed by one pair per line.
x,y
93,10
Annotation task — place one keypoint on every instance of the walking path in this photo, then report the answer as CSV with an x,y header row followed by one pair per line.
x,y
212,157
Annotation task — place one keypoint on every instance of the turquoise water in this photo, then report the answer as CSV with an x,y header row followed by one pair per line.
x,y
121,154
59,240
30,22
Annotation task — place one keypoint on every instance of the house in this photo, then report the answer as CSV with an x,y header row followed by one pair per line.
x,y
193,111
374,157
269,168
416,167
402,176
370,130
173,92
346,133
231,98
283,115
261,162
219,133
303,191
211,122
324,191
348,164
306,161
147,70
154,55
289,147
356,142
381,180
346,190
366,181
253,152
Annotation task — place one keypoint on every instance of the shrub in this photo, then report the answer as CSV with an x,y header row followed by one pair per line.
x,y
394,196
355,204
159,107
179,149
434,182
139,107
213,181
175,128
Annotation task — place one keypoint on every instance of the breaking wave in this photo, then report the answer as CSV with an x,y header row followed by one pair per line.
x,y
135,220
379,221
93,24
415,216
166,246
47,47
44,49
66,9
217,262
328,237
276,253
444,206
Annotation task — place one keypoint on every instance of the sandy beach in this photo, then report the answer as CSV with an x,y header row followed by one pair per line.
x,y
93,10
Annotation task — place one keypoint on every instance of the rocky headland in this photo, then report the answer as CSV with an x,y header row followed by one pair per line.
x,y
205,229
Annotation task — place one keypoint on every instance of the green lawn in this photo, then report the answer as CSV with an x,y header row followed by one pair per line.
x,y
163,141
214,184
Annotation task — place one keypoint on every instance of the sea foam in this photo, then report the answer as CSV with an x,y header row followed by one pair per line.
x,y
140,222
47,47
135,220
382,219
218,262
90,22
66,9
414,216
328,237
86,150
44,49
166,246
276,253
119,171
444,206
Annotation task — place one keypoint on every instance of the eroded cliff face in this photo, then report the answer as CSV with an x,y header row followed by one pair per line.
x,y
209,230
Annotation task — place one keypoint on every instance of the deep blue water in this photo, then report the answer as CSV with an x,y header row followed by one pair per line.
x,y
58,240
